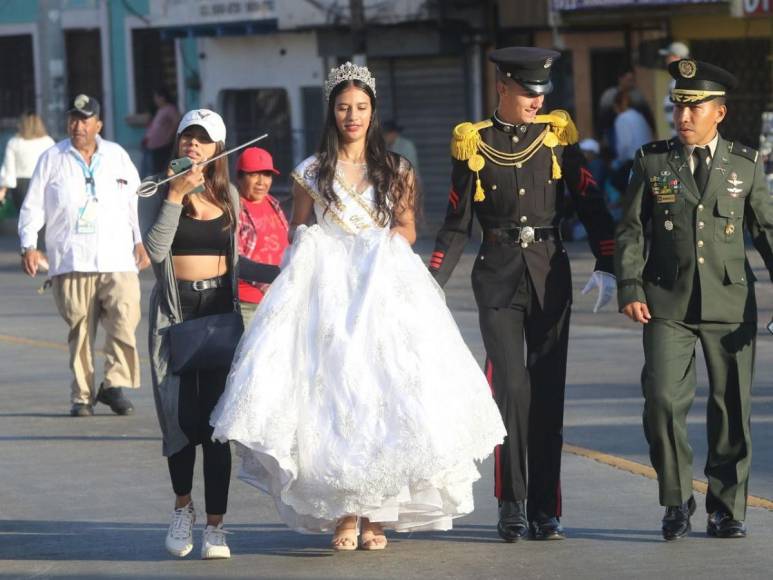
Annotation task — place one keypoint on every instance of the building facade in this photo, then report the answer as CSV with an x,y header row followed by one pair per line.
x,y
262,63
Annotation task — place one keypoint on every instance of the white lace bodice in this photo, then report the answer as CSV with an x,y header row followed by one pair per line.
x,y
355,212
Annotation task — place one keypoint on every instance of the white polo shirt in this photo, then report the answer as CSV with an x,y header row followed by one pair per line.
x,y
58,191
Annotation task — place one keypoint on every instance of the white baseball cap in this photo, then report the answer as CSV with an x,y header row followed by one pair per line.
x,y
208,120
677,49
590,145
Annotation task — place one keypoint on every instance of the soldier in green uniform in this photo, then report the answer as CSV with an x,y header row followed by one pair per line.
x,y
692,282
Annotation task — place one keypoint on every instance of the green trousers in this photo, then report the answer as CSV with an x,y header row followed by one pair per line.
x,y
668,383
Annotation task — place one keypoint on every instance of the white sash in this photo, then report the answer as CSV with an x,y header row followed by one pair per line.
x,y
353,212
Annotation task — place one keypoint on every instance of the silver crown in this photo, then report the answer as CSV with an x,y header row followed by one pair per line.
x,y
348,72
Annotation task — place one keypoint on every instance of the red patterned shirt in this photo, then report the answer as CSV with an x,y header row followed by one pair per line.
x,y
262,238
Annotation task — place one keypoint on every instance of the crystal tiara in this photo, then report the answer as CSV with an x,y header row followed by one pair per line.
x,y
348,72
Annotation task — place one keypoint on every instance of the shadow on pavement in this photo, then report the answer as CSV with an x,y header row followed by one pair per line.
x,y
85,541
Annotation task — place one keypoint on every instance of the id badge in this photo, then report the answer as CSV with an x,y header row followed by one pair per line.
x,y
87,218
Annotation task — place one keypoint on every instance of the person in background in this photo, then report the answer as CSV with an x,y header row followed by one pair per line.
x,y
592,151
263,229
83,191
607,112
672,53
401,145
159,136
21,155
631,132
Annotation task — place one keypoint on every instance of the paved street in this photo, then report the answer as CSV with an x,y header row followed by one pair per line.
x,y
90,498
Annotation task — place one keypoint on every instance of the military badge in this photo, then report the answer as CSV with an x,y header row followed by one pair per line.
x,y
669,225
729,229
734,182
655,185
666,195
687,68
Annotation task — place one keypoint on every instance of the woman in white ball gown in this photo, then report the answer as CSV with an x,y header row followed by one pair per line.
x,y
353,399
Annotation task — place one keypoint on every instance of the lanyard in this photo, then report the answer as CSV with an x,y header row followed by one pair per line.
x,y
88,172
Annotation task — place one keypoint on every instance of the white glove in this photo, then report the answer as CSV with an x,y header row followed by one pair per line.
x,y
607,286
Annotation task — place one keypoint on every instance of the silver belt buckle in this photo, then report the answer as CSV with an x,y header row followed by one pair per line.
x,y
527,236
199,285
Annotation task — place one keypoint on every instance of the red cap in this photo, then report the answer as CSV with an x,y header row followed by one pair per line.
x,y
255,159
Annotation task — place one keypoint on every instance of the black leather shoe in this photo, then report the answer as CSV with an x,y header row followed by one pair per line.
x,y
114,398
547,528
676,521
512,524
722,525
81,410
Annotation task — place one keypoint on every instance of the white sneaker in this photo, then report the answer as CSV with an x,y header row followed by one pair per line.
x,y
214,546
179,538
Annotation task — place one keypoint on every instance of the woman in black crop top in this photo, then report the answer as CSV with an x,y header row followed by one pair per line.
x,y
192,241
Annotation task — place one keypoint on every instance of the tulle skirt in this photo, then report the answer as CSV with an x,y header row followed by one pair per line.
x,y
353,392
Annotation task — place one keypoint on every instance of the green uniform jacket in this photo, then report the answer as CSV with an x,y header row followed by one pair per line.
x,y
692,233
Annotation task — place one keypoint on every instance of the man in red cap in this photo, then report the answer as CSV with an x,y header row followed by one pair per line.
x,y
262,224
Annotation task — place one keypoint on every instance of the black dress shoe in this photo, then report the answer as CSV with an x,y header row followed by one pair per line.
x,y
81,410
512,524
722,525
547,528
114,398
676,521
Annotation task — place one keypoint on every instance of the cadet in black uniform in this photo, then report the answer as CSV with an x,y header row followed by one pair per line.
x,y
509,171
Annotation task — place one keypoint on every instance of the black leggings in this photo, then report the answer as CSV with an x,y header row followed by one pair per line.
x,y
199,393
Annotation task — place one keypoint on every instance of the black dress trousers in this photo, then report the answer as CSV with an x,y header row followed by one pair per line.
x,y
526,351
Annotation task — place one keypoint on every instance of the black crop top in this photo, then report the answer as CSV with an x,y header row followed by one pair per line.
x,y
201,237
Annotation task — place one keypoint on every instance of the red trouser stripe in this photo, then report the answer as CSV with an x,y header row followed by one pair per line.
x,y
498,448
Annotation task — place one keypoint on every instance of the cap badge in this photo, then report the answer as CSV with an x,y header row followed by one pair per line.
x,y
687,68
548,62
81,101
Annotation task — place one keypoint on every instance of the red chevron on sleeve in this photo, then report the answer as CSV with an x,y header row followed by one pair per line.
x,y
436,260
607,247
586,180
453,199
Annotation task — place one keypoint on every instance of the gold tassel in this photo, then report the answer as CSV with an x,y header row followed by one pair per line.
x,y
556,166
479,193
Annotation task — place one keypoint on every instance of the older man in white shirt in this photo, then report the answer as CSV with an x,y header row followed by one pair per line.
x,y
83,191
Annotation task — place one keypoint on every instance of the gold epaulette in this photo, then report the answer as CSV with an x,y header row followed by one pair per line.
x,y
562,131
561,125
466,138
465,142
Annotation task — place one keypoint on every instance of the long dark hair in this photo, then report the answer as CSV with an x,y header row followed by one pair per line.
x,y
389,173
216,183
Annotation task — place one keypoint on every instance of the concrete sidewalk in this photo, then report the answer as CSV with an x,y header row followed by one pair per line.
x,y
90,498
